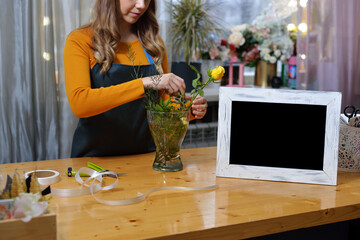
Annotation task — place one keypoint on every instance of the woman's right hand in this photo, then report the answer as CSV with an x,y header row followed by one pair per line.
x,y
169,82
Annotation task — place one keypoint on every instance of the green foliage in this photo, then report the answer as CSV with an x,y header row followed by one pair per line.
x,y
168,122
156,103
198,85
136,68
192,25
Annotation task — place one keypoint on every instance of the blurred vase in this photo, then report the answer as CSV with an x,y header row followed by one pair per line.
x,y
264,73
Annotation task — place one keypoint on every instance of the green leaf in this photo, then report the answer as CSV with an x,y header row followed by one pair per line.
x,y
193,68
167,102
209,72
201,92
195,83
197,72
158,108
161,102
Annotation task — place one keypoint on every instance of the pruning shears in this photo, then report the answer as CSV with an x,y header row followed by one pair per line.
x,y
97,168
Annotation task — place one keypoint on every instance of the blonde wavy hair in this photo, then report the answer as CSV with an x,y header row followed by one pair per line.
x,y
107,35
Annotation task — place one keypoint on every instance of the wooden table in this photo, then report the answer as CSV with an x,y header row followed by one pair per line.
x,y
238,209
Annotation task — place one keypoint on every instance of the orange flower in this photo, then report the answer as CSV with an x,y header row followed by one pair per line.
x,y
178,106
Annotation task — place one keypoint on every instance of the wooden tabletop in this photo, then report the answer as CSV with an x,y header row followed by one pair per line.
x,y
238,209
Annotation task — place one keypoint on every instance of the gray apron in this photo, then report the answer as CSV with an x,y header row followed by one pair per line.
x,y
121,130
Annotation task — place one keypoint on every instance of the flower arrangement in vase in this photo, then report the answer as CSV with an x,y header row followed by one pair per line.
x,y
168,119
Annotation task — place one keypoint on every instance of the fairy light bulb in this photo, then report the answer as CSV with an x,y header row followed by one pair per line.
x,y
303,27
303,3
292,3
291,27
46,56
46,21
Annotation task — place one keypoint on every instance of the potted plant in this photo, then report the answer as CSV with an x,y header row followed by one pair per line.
x,y
192,26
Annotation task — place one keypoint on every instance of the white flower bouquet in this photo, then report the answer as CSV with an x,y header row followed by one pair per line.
x,y
276,48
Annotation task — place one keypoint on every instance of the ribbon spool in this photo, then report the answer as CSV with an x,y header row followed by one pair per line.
x,y
45,177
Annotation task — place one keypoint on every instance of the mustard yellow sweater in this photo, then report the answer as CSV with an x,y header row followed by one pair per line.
x,y
79,60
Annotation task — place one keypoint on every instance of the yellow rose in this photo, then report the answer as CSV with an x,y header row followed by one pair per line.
x,y
217,73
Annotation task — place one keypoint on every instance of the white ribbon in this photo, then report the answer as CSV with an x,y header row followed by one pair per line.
x,y
45,177
93,188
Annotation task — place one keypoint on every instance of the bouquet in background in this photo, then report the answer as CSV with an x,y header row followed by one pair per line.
x,y
244,41
274,49
266,39
277,45
217,51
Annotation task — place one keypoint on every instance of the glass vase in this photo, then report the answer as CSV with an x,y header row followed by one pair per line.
x,y
168,130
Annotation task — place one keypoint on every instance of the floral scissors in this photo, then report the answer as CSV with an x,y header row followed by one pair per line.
x,y
97,168
354,111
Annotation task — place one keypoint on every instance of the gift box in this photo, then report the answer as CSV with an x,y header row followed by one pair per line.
x,y
349,149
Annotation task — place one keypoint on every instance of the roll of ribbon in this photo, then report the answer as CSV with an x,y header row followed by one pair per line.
x,y
45,177
48,177
93,188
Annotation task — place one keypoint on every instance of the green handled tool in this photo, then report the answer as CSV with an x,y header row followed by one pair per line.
x,y
97,168
72,173
101,169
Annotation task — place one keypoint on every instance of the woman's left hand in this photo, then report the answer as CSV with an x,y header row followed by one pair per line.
x,y
199,106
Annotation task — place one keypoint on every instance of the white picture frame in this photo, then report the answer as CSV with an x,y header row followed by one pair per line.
x,y
326,176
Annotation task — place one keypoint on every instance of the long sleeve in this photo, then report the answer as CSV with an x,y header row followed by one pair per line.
x,y
78,62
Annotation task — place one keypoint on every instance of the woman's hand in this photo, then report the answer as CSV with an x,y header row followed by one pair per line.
x,y
199,106
169,82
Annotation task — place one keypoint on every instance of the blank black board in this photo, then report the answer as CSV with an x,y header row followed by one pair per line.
x,y
277,135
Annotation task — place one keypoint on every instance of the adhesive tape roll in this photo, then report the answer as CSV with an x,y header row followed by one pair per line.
x,y
45,177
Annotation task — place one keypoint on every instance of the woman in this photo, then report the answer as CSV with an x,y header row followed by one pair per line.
x,y
108,65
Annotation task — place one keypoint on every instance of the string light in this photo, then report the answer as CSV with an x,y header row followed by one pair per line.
x,y
291,27
46,21
292,3
303,56
46,56
303,27
303,3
